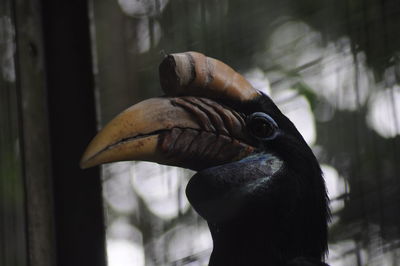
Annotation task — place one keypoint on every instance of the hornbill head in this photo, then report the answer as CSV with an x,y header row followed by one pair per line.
x,y
258,184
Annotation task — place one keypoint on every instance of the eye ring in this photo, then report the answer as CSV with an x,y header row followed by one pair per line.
x,y
262,126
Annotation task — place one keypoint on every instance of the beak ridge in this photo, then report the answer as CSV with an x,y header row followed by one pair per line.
x,y
133,134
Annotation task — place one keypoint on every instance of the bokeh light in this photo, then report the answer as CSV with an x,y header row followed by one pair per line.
x,y
161,187
384,112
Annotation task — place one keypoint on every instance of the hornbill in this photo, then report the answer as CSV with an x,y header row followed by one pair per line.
x,y
258,184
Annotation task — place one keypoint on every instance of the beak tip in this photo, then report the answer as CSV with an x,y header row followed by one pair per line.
x,y
86,161
83,164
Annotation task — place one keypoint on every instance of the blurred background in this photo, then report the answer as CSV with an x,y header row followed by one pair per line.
x,y
332,66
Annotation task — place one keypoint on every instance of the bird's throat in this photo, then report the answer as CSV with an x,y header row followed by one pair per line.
x,y
242,245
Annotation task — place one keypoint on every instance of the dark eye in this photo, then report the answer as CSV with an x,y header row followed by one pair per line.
x,y
262,126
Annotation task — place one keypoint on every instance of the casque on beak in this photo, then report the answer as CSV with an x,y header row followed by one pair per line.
x,y
191,132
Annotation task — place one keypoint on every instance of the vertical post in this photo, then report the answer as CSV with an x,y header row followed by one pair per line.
x,y
13,236
79,224
48,120
35,135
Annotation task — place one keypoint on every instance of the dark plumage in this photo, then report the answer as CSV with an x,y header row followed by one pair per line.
x,y
258,185
261,218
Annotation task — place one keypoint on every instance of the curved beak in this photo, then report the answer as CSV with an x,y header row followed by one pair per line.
x,y
190,132
184,131
134,134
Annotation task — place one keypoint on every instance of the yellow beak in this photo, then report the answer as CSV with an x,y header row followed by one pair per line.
x,y
190,132
186,131
133,134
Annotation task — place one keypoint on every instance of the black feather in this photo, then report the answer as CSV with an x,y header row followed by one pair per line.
x,y
262,217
